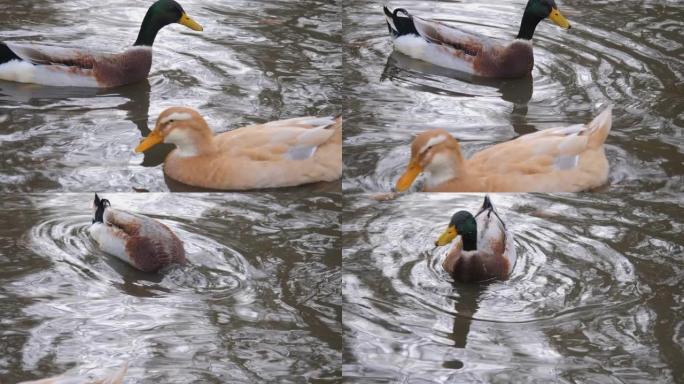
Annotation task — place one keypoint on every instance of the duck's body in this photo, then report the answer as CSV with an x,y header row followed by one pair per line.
x,y
56,66
140,241
485,249
569,159
450,47
276,154
76,67
116,377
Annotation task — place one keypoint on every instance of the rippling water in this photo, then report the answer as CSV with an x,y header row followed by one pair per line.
x,y
258,301
626,53
595,295
255,61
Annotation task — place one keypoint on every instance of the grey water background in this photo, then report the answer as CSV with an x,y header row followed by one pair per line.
x,y
258,301
254,62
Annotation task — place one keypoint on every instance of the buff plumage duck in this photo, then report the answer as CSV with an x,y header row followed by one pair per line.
x,y
449,47
569,159
57,66
280,153
115,377
484,249
140,241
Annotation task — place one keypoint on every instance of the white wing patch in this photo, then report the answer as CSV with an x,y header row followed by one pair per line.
x,y
432,142
564,163
110,239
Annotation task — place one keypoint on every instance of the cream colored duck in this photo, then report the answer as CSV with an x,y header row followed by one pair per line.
x,y
276,154
140,241
569,159
484,249
446,46
57,66
116,377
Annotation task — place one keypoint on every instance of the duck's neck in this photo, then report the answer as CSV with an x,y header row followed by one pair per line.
x,y
444,167
468,234
196,145
148,30
528,25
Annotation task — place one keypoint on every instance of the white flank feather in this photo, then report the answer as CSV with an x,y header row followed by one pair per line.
x,y
24,72
441,55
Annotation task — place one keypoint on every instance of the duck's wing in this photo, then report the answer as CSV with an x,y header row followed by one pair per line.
x,y
551,150
51,55
402,23
292,139
491,229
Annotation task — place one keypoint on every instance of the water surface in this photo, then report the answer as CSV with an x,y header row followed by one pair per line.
x,y
259,300
255,62
595,295
626,53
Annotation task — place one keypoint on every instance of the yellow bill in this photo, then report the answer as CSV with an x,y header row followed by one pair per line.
x,y
150,141
409,176
447,236
559,19
190,23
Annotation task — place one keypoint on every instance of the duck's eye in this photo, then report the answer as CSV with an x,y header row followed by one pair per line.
x,y
170,121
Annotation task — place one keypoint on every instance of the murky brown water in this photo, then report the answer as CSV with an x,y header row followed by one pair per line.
x,y
595,296
255,61
626,53
258,301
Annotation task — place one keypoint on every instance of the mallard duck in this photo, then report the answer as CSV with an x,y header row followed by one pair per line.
x,y
569,159
116,377
276,154
446,46
485,249
57,66
144,243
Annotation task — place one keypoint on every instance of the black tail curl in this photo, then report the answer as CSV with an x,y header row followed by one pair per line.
x,y
403,24
6,54
101,204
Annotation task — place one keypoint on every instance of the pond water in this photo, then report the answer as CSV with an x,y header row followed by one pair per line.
x,y
625,53
255,62
258,301
595,295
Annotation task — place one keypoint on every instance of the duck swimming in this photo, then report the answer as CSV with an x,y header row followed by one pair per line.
x,y
281,153
140,241
567,159
116,377
57,66
484,249
450,47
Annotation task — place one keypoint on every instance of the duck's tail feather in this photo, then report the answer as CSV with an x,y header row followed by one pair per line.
x,y
100,205
6,54
400,25
599,128
487,204
488,208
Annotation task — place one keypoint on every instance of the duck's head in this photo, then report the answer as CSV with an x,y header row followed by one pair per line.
x,y
183,127
462,223
436,153
161,14
538,10
99,206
